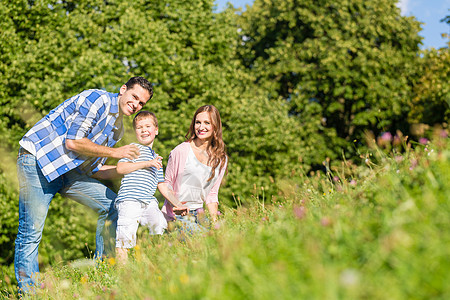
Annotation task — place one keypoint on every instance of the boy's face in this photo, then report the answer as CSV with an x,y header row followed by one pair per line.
x,y
146,131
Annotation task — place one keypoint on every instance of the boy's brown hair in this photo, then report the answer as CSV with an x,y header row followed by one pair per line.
x,y
143,114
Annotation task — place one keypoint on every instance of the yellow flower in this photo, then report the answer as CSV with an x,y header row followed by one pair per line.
x,y
184,279
112,261
137,252
173,289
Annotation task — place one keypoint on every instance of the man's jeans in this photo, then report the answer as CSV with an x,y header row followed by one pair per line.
x,y
36,193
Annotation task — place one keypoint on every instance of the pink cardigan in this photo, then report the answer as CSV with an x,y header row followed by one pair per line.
x,y
174,172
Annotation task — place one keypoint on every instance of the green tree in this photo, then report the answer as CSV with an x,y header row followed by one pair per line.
x,y
431,102
189,52
353,58
46,59
59,48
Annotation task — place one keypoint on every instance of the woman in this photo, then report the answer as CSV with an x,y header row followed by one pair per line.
x,y
196,167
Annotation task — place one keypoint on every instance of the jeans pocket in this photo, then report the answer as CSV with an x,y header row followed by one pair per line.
x,y
29,173
26,160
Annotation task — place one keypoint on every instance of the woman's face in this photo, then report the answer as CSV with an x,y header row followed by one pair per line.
x,y
203,126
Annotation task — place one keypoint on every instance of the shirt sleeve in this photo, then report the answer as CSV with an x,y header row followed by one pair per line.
x,y
124,159
89,109
213,195
171,169
160,175
170,179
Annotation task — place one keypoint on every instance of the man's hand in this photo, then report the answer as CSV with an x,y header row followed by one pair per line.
x,y
127,151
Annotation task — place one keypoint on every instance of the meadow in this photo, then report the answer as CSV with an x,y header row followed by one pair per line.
x,y
377,228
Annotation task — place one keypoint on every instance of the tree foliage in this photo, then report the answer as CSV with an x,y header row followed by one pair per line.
x,y
295,82
431,101
189,53
353,58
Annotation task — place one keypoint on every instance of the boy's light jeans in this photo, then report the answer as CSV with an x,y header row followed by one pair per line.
x,y
36,193
132,213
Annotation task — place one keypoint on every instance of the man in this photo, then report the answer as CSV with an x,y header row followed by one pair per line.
x,y
63,153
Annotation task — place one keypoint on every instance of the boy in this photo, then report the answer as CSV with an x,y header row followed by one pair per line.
x,y
136,202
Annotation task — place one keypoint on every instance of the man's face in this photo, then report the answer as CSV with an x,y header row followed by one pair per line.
x,y
146,131
132,100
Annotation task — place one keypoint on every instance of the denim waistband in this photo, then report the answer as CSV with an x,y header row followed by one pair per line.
x,y
23,151
196,211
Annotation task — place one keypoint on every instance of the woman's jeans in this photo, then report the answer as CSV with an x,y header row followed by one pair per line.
x,y
36,193
192,223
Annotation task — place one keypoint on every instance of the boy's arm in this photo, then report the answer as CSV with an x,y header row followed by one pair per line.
x,y
128,167
107,172
170,196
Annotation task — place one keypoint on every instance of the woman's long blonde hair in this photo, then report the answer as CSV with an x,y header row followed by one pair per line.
x,y
216,149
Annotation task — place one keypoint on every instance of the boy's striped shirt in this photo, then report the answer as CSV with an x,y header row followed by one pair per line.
x,y
141,184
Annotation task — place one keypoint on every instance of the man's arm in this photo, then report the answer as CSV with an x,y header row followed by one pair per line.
x,y
86,147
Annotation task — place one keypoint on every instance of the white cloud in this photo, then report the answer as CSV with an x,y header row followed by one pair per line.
x,y
404,6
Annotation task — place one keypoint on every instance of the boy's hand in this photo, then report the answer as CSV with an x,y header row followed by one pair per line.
x,y
156,162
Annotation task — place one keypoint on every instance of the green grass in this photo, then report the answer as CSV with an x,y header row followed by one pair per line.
x,y
378,230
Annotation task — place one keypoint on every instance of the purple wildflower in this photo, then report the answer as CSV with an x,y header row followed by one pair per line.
x,y
423,141
325,221
398,158
386,136
299,212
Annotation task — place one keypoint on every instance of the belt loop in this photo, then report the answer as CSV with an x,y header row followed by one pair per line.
x,y
22,151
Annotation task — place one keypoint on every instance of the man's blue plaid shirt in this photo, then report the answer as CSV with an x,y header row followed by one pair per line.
x,y
91,114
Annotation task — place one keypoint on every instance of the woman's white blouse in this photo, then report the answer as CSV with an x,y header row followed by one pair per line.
x,y
194,185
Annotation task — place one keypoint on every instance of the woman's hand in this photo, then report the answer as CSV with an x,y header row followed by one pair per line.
x,y
180,210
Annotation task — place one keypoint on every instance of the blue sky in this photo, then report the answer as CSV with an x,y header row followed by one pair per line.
x,y
429,12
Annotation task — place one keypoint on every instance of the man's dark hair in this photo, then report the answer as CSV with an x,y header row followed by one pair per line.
x,y
144,83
